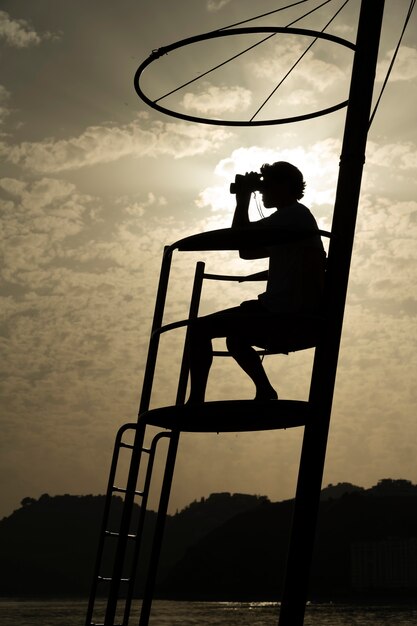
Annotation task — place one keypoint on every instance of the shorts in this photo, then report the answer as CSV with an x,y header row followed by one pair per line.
x,y
254,325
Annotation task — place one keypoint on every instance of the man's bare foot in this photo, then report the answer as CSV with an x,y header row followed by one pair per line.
x,y
192,401
262,396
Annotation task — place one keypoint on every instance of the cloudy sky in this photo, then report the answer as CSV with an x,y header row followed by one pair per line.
x,y
94,183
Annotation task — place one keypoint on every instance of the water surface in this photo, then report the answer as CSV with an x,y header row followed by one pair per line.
x,y
170,613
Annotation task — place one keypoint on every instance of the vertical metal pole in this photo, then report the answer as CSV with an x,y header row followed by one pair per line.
x,y
129,500
171,457
326,357
156,324
141,523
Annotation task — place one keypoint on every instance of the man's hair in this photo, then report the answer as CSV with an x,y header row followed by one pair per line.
x,y
285,172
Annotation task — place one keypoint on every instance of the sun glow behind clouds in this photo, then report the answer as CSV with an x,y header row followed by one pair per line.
x,y
319,164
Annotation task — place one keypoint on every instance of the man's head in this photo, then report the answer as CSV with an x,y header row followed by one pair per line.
x,y
283,184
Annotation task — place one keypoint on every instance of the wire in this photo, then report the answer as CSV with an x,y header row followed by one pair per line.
x,y
257,17
199,76
193,80
308,13
394,56
298,60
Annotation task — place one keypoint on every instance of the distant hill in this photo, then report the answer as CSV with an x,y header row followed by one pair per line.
x,y
227,546
339,490
187,527
48,546
245,557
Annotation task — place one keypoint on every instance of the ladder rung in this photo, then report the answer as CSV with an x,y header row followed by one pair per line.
x,y
131,447
101,624
126,445
121,490
108,579
111,533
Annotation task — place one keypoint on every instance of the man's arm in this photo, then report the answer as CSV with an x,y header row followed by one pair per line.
x,y
241,214
241,220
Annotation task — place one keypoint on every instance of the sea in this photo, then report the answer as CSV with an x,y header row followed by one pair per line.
x,y
171,613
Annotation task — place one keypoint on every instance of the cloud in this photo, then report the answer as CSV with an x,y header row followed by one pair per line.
x,y
19,33
311,70
51,232
399,155
77,299
217,100
405,65
40,194
318,162
385,256
37,218
216,198
301,96
4,109
80,295
216,5
106,144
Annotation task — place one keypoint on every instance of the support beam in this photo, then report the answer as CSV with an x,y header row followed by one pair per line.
x,y
326,357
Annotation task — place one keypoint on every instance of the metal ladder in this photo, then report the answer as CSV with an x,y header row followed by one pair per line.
x,y
119,583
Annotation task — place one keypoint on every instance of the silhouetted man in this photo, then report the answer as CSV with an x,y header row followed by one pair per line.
x,y
283,318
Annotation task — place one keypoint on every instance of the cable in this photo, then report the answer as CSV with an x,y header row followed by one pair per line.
x,y
308,13
394,56
193,80
298,60
257,17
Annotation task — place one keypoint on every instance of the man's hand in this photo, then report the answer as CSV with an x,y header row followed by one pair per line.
x,y
244,186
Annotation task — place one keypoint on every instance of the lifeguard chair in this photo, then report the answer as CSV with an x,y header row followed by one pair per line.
x,y
125,541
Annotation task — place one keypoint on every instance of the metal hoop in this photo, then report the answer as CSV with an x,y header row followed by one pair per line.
x,y
156,54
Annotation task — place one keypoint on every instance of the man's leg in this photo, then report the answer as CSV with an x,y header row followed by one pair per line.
x,y
201,332
200,359
250,362
237,326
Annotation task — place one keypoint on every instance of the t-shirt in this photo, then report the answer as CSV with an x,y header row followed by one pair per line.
x,y
296,268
